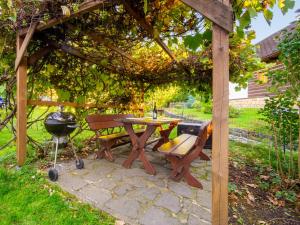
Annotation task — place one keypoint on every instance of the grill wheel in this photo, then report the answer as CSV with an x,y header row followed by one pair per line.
x,y
79,163
53,174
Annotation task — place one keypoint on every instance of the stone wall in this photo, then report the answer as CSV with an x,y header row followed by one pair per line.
x,y
248,102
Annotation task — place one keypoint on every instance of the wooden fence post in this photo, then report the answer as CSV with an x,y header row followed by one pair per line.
x,y
220,44
21,105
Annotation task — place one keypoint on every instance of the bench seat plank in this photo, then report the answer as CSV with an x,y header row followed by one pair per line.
x,y
170,146
118,135
185,147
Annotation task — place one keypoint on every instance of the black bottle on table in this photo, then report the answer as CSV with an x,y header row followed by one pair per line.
x,y
154,112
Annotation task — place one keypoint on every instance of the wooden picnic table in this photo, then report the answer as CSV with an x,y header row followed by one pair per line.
x,y
139,141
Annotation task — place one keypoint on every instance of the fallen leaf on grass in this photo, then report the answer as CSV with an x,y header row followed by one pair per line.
x,y
261,222
252,185
276,202
250,196
264,177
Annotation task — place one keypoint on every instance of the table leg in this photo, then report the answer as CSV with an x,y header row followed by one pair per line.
x,y
164,136
138,149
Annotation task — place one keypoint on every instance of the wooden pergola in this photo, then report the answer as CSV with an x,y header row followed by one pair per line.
x,y
221,14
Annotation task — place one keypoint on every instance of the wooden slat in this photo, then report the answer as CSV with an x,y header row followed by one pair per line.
x,y
220,50
216,11
98,38
85,7
71,104
25,43
104,124
185,147
38,55
173,144
106,117
21,105
150,121
142,22
118,135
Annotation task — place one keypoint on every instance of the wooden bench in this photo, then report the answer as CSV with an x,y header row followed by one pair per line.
x,y
108,123
183,150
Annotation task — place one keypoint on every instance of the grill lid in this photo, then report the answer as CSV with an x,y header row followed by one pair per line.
x,y
61,117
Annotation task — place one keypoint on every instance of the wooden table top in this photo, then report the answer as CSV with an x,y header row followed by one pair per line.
x,y
149,121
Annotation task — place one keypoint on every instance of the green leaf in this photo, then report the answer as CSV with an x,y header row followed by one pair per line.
x,y
252,12
207,35
80,99
193,42
268,14
245,20
288,4
145,6
63,95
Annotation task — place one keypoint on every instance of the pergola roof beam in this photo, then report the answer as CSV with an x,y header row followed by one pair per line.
x,y
100,39
84,7
214,10
77,53
143,23
38,55
22,50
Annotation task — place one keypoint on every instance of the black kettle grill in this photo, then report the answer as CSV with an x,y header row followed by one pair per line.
x,y
61,124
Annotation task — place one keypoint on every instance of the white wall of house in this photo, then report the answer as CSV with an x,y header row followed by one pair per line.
x,y
233,94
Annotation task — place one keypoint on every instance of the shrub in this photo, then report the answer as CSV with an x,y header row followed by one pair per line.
x,y
207,108
234,112
283,121
197,104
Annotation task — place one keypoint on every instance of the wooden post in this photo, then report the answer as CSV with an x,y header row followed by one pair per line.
x,y
21,105
220,124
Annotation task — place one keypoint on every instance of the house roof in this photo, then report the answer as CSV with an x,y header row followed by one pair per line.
x,y
267,48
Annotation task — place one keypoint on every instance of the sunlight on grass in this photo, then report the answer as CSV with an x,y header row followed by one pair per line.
x,y
249,118
27,198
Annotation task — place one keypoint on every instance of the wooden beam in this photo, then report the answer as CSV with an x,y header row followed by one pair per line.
x,y
39,54
21,105
100,39
216,11
25,43
77,53
84,7
148,28
220,47
71,104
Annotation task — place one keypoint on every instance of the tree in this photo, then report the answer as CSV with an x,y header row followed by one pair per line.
x,y
289,47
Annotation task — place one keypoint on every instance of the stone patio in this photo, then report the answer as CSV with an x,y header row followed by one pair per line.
x,y
135,197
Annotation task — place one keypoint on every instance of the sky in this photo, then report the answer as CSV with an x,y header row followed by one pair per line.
x,y
263,30
279,21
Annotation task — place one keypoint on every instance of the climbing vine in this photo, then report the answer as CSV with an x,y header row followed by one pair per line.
x,y
114,54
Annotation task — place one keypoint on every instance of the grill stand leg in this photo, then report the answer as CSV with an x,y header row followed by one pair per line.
x,y
56,150
73,148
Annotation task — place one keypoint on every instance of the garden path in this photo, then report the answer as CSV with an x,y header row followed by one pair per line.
x,y
135,197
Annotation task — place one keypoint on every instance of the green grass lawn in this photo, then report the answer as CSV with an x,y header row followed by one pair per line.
x,y
26,195
261,155
249,119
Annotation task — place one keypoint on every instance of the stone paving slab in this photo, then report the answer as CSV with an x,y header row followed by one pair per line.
x,y
136,197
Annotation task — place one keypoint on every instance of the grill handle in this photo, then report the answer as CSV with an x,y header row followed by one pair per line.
x,y
73,126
